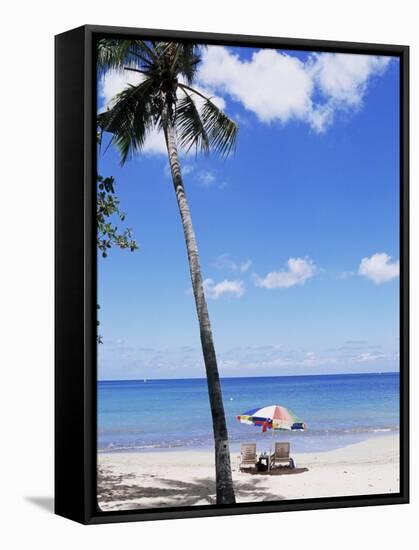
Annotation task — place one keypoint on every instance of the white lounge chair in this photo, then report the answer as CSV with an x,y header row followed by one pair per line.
x,y
248,458
281,456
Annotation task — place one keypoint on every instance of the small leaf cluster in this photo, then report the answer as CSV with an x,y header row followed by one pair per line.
x,y
108,209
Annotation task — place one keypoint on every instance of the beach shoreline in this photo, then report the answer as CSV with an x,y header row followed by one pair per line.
x,y
144,480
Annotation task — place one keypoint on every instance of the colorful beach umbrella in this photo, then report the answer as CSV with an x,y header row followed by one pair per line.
x,y
273,417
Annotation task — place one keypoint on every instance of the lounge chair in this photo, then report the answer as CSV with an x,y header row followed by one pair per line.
x,y
248,458
281,456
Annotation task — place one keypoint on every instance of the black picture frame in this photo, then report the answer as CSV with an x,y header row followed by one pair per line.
x,y
75,275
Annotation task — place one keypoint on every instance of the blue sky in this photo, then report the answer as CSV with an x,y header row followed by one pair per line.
x,y
298,230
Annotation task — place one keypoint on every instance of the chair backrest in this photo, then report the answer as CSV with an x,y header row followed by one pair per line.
x,y
248,451
282,450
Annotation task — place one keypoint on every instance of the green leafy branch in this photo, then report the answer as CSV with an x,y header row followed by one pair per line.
x,y
108,206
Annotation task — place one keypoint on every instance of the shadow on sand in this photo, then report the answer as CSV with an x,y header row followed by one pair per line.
x,y
170,492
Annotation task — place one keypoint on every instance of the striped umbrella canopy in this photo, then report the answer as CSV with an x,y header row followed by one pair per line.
x,y
273,417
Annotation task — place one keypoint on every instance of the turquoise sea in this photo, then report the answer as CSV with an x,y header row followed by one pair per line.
x,y
152,415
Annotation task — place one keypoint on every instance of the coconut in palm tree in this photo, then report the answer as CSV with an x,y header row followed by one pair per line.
x,y
165,100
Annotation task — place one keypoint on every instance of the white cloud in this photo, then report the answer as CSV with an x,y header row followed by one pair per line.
x,y
229,364
207,178
113,82
342,80
245,266
344,77
379,268
369,357
310,358
299,270
255,359
216,290
207,92
225,261
155,143
278,86
272,85
345,275
185,168
135,361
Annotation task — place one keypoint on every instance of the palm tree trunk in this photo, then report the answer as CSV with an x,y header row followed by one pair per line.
x,y
224,482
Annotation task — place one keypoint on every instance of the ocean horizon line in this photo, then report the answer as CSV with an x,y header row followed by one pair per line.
x,y
141,379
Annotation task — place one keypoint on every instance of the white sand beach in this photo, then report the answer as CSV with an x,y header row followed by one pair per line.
x,y
129,481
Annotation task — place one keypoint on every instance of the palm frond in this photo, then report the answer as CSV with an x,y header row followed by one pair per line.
x,y
130,119
142,48
187,60
190,128
118,53
221,130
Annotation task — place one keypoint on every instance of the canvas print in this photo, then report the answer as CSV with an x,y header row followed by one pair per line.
x,y
248,274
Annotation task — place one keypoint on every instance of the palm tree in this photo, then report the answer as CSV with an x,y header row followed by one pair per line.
x,y
165,100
